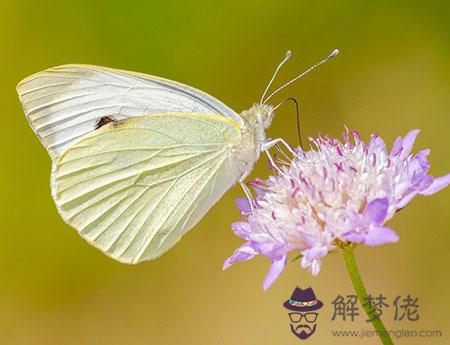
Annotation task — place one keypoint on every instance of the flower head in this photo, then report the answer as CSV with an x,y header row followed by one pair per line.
x,y
338,193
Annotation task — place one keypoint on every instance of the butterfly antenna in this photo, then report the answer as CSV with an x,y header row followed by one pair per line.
x,y
288,55
332,55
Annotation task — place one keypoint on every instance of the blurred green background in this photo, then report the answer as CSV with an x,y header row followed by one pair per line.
x,y
393,75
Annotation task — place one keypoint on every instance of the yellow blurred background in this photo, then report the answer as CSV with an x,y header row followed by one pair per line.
x,y
393,75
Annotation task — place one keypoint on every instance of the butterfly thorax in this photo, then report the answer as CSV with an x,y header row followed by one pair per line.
x,y
256,120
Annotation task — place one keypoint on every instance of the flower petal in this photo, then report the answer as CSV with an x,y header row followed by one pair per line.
x,y
421,158
243,205
380,235
243,253
376,211
397,147
315,267
315,253
408,143
405,200
353,236
241,229
376,144
438,184
274,272
312,259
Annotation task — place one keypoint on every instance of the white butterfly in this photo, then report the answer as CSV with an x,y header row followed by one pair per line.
x,y
138,160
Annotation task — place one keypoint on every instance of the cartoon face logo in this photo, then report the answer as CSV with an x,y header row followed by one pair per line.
x,y
303,316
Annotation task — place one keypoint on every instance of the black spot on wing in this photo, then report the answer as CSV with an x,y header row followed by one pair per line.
x,y
103,121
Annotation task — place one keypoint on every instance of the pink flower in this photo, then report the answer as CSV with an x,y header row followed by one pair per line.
x,y
339,193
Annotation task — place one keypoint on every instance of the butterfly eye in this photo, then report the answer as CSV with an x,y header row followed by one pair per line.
x,y
266,113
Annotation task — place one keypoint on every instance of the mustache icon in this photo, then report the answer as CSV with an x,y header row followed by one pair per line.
x,y
303,326
303,331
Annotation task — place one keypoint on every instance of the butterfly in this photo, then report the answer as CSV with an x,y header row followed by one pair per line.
x,y
138,160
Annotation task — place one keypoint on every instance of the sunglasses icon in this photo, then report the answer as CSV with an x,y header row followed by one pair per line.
x,y
297,317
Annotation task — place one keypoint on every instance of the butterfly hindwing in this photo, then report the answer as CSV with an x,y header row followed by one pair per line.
x,y
132,188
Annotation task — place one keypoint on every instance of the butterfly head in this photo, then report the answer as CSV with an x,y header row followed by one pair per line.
x,y
263,114
259,116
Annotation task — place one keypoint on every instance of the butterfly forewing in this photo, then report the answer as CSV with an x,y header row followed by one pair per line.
x,y
65,103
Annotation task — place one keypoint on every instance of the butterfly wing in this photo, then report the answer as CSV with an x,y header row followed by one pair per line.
x,y
65,103
134,187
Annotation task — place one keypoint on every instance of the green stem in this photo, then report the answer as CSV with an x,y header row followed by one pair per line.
x,y
360,290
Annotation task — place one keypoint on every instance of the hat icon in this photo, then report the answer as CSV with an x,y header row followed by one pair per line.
x,y
303,300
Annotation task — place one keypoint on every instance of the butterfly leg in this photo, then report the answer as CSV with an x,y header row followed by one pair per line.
x,y
271,143
271,160
247,192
